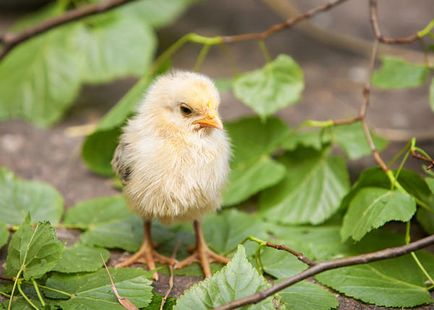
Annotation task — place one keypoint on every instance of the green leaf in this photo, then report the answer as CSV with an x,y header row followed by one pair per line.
x,y
381,282
20,197
81,258
392,283
372,208
4,234
158,13
430,182
224,85
113,46
236,280
40,78
311,192
37,17
225,231
280,264
351,138
304,295
107,223
315,139
375,177
94,291
99,147
431,95
275,86
33,252
307,295
253,170
426,220
397,73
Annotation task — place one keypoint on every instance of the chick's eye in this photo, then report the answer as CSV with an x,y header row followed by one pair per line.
x,y
186,110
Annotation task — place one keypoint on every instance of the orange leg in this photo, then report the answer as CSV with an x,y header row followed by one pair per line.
x,y
202,253
146,254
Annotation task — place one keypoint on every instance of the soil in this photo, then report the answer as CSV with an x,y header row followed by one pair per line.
x,y
334,79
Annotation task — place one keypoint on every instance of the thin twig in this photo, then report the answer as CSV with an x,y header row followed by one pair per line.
x,y
11,40
373,10
428,161
290,22
171,277
127,304
300,256
287,9
281,247
329,265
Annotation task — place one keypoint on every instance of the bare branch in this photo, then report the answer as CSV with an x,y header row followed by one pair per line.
x,y
329,265
427,160
373,10
11,40
300,256
281,26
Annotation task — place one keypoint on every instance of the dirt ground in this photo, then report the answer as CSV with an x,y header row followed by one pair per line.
x,y
334,79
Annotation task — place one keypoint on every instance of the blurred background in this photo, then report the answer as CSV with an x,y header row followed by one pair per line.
x,y
332,49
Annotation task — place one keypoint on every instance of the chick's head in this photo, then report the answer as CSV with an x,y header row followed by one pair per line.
x,y
184,100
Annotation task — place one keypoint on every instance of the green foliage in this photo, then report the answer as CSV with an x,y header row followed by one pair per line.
x,y
4,234
99,147
397,73
226,230
307,295
107,223
372,208
157,14
293,172
311,192
377,283
41,78
280,264
391,283
108,49
20,197
275,86
81,258
33,251
253,169
351,138
236,280
94,291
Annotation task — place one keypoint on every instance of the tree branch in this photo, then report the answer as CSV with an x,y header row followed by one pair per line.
x,y
373,10
281,26
329,265
11,40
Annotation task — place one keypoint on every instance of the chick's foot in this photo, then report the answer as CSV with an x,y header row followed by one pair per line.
x,y
202,254
147,255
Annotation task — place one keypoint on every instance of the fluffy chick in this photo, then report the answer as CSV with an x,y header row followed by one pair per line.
x,y
173,158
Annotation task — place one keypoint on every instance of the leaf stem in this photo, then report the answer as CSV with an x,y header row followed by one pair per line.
x,y
5,294
415,258
264,50
26,297
56,290
14,287
201,57
38,292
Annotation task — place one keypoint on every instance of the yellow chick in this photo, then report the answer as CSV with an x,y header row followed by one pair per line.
x,y
173,159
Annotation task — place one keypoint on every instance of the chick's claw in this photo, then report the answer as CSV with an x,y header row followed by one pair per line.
x,y
202,254
147,254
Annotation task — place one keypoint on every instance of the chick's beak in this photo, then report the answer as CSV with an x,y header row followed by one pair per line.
x,y
210,120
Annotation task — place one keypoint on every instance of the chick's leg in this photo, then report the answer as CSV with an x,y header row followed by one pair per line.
x,y
202,253
146,254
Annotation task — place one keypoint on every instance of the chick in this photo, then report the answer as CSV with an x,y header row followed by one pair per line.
x,y
173,159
